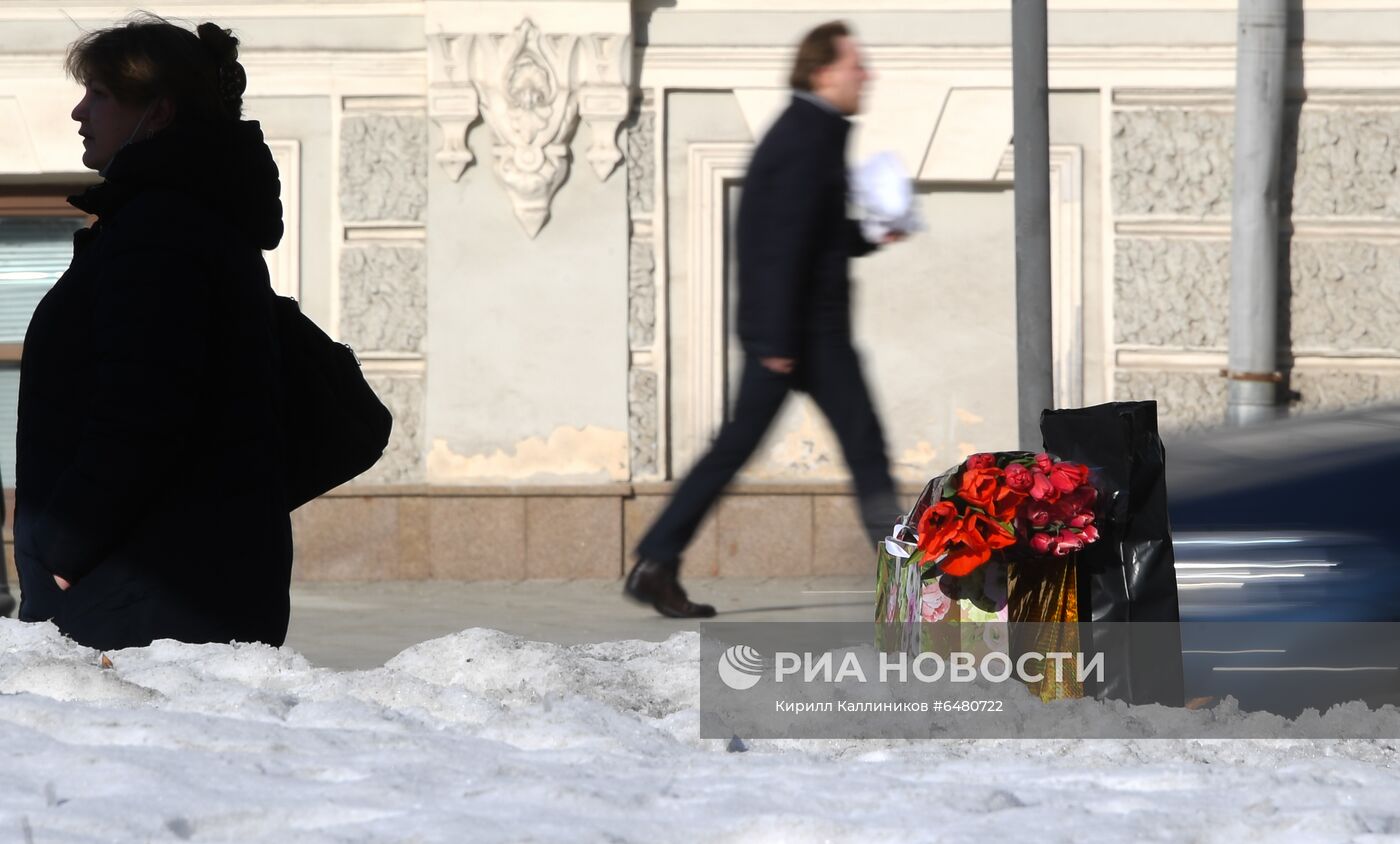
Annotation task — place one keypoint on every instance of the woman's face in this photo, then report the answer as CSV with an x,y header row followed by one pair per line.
x,y
105,124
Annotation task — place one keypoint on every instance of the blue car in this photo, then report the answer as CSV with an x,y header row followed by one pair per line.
x,y
1287,544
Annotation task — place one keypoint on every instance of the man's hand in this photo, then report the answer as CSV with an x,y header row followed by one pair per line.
x,y
62,584
782,366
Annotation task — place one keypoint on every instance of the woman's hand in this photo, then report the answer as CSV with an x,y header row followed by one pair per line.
x,y
62,584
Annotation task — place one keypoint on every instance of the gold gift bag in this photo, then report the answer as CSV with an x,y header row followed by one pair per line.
x,y
1044,614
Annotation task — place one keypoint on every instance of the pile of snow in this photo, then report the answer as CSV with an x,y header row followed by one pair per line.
x,y
483,736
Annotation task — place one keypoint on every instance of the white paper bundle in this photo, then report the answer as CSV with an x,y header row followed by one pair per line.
x,y
885,195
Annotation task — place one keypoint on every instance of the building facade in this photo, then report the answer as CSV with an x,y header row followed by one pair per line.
x,y
519,213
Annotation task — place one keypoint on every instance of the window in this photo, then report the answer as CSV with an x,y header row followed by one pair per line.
x,y
36,245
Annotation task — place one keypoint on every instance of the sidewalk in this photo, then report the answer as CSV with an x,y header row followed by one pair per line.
x,y
361,625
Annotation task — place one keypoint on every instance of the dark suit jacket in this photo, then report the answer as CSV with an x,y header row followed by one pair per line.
x,y
794,238
149,457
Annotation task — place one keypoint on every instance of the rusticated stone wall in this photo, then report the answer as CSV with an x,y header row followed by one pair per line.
x,y
1339,323
1178,161
1323,390
1171,293
1185,399
1345,297
1347,163
1172,161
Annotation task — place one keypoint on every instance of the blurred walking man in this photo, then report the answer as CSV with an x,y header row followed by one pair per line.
x,y
794,245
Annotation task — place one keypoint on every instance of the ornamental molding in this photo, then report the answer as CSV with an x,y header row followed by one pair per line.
x,y
1188,360
1218,228
1356,67
1053,6
525,83
711,169
532,88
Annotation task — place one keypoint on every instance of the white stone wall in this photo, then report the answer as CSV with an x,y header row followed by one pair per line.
x,y
528,246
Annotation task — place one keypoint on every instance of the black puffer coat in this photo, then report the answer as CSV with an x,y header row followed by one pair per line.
x,y
149,458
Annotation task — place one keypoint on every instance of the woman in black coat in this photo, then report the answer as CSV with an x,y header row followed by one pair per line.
x,y
149,497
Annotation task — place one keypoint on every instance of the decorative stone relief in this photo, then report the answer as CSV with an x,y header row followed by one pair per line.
x,y
1185,400
1172,161
1345,296
641,298
605,96
1324,391
524,81
384,297
1173,293
531,88
641,187
643,404
402,462
453,103
383,168
1348,163
641,165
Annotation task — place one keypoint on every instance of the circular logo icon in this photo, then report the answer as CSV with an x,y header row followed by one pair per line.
x,y
741,667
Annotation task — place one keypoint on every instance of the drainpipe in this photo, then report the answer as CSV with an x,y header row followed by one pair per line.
x,y
1253,374
1035,354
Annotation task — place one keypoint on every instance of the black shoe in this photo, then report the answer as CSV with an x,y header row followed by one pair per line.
x,y
656,584
7,602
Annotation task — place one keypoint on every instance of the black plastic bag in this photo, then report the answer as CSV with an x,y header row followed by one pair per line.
x,y
1129,575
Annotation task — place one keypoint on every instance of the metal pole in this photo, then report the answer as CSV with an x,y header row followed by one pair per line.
x,y
1031,98
1262,29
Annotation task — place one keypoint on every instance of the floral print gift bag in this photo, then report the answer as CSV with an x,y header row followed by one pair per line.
x,y
943,576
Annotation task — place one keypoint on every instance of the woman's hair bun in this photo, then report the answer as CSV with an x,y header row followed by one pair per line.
x,y
220,42
233,81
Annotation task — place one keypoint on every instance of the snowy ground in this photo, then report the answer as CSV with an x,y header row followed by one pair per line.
x,y
482,736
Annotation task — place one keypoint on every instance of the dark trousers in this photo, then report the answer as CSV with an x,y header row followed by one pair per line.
x,y
831,376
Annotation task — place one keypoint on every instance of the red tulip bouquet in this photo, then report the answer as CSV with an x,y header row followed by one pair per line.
x,y
1004,507
1005,500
